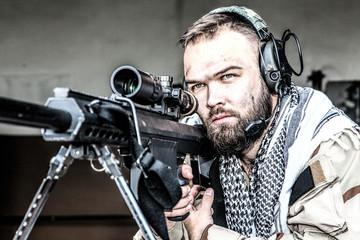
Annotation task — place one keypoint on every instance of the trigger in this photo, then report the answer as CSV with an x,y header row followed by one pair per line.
x,y
182,181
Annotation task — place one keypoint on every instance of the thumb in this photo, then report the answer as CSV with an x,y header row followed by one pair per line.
x,y
207,199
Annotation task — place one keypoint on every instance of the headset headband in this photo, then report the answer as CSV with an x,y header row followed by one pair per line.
x,y
249,15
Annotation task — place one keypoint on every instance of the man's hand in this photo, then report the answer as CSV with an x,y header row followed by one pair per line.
x,y
200,216
187,199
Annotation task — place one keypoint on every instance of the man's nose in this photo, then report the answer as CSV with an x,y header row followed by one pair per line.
x,y
215,96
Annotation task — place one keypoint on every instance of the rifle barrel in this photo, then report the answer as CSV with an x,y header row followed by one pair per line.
x,y
33,115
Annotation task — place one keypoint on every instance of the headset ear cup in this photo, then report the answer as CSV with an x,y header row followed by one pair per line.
x,y
269,68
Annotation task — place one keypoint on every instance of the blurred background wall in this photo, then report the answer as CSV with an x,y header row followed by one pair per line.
x,y
78,44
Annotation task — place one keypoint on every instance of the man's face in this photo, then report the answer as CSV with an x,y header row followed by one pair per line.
x,y
223,73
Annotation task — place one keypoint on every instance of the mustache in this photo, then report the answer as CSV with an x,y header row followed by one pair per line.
x,y
222,110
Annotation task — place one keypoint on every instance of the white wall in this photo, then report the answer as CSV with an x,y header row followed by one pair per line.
x,y
78,44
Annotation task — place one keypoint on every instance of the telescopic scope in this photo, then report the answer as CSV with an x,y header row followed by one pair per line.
x,y
146,89
141,87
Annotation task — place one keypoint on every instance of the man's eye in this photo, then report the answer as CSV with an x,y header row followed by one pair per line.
x,y
227,76
197,86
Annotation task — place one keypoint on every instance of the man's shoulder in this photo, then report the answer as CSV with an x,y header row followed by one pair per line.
x,y
334,159
327,190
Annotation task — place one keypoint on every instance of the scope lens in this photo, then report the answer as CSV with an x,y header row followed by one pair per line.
x,y
126,82
129,86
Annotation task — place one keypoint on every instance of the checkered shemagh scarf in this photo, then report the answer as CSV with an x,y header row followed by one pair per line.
x,y
250,211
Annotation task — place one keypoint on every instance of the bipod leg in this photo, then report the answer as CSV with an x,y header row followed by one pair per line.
x,y
109,162
58,167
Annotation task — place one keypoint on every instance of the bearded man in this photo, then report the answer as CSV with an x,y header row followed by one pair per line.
x,y
287,158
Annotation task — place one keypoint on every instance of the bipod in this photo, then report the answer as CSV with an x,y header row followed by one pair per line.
x,y
58,167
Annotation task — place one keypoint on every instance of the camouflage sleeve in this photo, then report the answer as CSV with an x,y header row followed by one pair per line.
x,y
330,209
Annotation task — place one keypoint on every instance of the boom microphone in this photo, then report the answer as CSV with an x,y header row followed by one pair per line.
x,y
255,127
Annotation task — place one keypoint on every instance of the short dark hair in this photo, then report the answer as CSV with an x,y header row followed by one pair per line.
x,y
208,26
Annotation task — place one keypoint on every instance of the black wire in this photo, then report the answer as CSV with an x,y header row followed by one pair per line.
x,y
285,37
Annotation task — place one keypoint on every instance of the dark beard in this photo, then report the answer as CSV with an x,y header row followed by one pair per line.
x,y
230,139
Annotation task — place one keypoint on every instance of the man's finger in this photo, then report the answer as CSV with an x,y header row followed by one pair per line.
x,y
207,199
178,212
195,191
185,190
182,203
186,171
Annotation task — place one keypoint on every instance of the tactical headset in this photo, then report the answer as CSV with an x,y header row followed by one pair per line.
x,y
274,66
